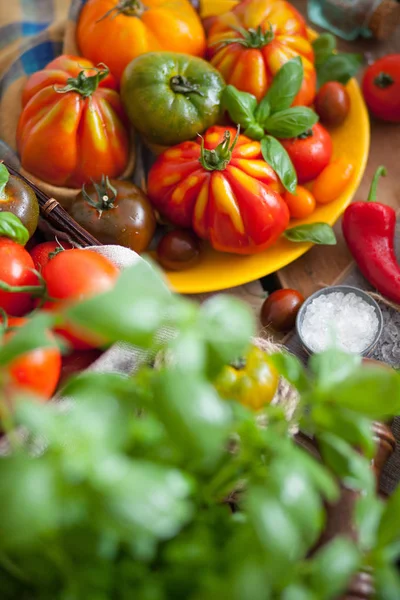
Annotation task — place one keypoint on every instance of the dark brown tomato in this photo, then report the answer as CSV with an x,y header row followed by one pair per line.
x,y
115,212
332,103
18,198
280,309
178,250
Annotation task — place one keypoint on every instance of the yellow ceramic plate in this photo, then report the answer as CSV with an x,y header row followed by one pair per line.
x,y
218,271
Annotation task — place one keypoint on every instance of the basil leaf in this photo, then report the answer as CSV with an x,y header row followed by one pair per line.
x,y
339,67
286,85
12,227
254,131
291,122
317,233
240,106
276,156
323,47
4,177
263,111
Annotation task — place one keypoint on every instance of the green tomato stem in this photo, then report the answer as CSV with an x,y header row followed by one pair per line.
x,y
218,159
106,195
182,85
129,8
83,85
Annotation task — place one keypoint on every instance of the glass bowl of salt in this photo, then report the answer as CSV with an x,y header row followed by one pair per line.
x,y
341,316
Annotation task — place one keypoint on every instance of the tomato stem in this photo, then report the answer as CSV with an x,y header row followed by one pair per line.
x,y
250,38
129,8
34,290
383,80
380,172
82,84
106,195
218,159
182,85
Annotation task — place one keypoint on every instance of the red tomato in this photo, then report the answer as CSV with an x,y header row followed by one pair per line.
x,y
227,193
42,253
37,371
16,269
381,88
310,152
76,275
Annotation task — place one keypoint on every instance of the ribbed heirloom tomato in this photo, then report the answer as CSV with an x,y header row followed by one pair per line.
x,y
249,45
227,193
72,127
116,32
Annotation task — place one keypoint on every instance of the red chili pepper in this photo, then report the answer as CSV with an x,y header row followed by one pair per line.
x,y
369,230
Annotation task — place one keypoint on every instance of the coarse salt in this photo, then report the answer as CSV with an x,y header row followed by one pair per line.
x,y
341,319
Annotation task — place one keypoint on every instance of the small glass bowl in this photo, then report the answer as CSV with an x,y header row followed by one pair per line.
x,y
346,289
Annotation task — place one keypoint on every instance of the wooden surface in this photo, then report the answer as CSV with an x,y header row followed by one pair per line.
x,y
325,264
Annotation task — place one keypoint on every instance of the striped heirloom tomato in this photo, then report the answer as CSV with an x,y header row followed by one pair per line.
x,y
249,45
72,127
223,189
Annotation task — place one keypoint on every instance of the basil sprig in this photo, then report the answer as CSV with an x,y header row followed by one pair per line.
x,y
317,233
332,65
274,117
11,227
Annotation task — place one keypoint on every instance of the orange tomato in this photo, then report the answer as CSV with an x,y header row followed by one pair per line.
x,y
221,188
117,32
72,127
301,204
249,45
332,181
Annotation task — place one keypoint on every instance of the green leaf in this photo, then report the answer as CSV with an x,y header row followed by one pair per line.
x,y
144,304
339,67
371,391
254,131
30,336
4,177
389,529
353,469
196,419
316,233
227,326
240,106
298,592
263,111
11,227
290,122
387,582
368,514
292,369
333,567
276,156
323,47
285,86
333,366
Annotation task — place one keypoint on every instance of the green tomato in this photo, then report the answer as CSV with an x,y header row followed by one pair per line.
x,y
171,97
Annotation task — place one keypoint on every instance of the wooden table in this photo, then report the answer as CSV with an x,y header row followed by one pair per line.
x,y
326,263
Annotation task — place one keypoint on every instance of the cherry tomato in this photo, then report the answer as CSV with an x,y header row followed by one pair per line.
x,y
332,181
42,253
37,371
280,309
332,103
16,269
76,275
178,250
310,152
381,88
115,212
301,204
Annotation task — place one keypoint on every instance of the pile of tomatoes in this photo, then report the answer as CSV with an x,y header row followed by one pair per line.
x,y
153,67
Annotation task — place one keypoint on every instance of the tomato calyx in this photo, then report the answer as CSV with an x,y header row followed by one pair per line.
x,y
129,8
218,158
250,38
106,195
181,85
306,134
383,80
84,85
